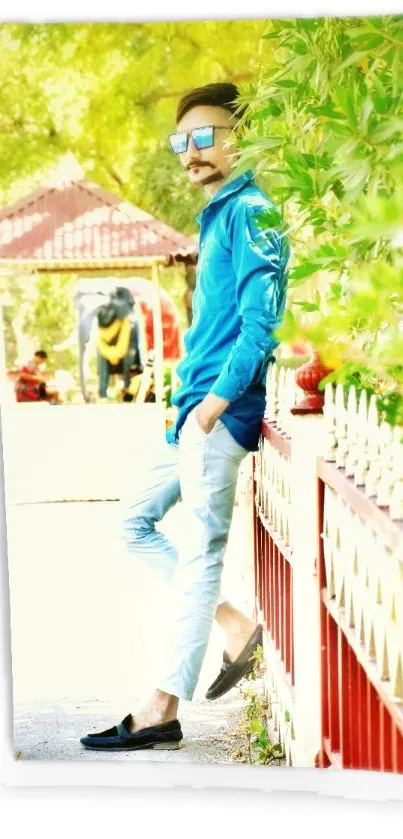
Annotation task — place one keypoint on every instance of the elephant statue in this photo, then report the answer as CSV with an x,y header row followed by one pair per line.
x,y
119,346
94,295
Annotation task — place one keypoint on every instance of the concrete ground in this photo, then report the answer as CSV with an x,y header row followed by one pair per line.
x,y
86,628
51,730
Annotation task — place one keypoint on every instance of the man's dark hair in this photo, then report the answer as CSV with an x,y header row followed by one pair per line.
x,y
221,94
41,354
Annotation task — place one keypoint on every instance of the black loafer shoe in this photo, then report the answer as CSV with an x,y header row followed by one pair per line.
x,y
119,738
232,672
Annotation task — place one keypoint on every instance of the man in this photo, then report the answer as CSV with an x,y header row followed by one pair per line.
x,y
30,385
238,301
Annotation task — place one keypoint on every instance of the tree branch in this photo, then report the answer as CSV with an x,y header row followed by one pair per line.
x,y
109,168
114,175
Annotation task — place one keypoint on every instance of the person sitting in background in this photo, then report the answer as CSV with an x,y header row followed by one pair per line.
x,y
30,385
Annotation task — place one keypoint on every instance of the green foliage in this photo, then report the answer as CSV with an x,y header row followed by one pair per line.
x,y
52,317
253,726
324,100
108,93
326,121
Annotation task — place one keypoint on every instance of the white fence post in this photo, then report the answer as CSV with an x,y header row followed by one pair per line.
x,y
308,441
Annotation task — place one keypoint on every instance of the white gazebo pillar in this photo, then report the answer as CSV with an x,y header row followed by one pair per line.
x,y
4,298
158,339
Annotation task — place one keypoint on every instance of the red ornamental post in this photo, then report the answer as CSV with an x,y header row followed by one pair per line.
x,y
308,378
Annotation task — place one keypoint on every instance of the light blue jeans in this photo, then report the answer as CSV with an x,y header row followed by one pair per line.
x,y
201,469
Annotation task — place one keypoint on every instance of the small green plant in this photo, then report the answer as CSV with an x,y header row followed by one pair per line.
x,y
258,747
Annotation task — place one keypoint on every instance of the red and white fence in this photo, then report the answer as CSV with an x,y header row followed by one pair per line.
x,y
274,576
328,551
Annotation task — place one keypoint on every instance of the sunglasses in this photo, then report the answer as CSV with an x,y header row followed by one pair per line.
x,y
203,138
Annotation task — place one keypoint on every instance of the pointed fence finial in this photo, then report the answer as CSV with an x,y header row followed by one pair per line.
x,y
386,453
361,444
329,413
396,495
271,394
341,427
373,450
352,431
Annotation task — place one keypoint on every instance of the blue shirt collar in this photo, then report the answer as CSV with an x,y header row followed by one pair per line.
x,y
228,189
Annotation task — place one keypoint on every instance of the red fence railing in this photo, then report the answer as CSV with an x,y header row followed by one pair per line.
x,y
328,553
360,624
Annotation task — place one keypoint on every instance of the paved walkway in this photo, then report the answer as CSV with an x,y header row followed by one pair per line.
x,y
51,730
86,620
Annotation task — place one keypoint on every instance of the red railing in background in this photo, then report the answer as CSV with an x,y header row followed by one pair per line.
x,y
362,711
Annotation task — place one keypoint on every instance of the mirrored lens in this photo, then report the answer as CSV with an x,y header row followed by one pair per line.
x,y
178,142
203,138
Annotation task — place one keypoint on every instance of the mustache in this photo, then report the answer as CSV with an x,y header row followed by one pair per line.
x,y
199,164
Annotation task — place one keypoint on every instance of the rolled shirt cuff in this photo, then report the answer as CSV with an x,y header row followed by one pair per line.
x,y
228,387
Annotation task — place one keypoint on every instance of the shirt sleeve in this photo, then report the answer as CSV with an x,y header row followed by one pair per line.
x,y
258,267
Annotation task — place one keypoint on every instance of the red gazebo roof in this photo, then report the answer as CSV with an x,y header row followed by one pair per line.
x,y
70,222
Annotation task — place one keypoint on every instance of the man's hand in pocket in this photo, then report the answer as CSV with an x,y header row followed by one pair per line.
x,y
208,411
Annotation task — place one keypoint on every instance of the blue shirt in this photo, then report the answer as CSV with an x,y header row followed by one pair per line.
x,y
238,301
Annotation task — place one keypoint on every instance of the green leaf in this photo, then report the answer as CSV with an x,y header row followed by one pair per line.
x,y
352,59
366,111
308,24
264,112
300,48
270,218
256,726
261,143
288,317
381,102
289,327
304,270
327,250
378,22
336,289
287,83
327,110
374,41
306,306
385,132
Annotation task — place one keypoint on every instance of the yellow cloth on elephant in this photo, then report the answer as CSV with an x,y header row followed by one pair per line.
x,y
119,329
